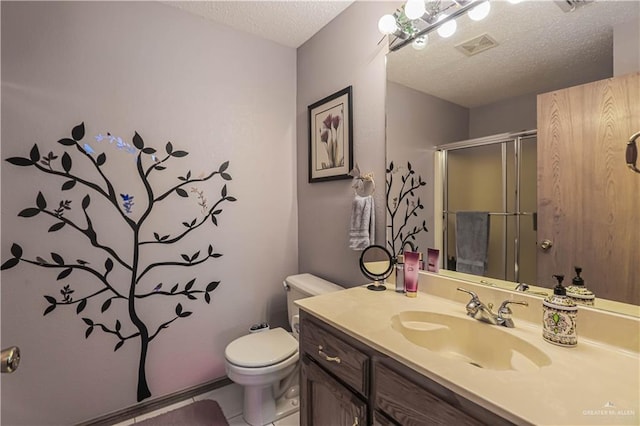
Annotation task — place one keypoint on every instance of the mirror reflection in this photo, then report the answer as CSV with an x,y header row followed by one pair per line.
x,y
448,100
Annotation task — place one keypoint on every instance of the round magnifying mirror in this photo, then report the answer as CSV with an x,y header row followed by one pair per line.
x,y
376,263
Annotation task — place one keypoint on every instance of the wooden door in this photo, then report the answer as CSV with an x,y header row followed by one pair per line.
x,y
326,402
588,200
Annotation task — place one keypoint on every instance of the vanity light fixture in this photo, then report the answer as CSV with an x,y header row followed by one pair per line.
x,y
411,23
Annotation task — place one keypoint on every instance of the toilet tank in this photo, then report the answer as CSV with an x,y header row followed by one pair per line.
x,y
301,286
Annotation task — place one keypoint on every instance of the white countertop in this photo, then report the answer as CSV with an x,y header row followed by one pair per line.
x,y
590,384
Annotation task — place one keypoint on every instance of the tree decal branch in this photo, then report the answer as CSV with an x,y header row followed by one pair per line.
x,y
60,166
401,207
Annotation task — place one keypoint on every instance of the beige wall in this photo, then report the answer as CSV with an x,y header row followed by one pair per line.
x,y
344,53
219,94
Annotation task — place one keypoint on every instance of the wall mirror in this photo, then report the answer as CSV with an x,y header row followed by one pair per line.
x,y
481,84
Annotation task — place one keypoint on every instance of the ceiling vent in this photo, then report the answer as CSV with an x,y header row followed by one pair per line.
x,y
477,45
572,5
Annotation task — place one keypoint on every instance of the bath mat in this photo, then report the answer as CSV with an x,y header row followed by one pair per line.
x,y
206,412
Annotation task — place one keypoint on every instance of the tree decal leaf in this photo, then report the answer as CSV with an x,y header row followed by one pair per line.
x,y
178,309
20,161
225,176
174,289
78,132
118,345
16,251
41,202
88,321
185,257
56,227
189,284
169,148
30,212
88,332
179,154
68,184
105,305
49,309
137,141
212,286
207,298
224,166
66,162
149,150
118,325
108,264
57,258
67,142
34,154
85,202
64,274
81,306
224,191
101,159
181,192
9,264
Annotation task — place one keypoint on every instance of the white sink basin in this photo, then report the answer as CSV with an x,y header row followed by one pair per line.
x,y
470,341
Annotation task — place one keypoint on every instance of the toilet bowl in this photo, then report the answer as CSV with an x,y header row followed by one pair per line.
x,y
266,363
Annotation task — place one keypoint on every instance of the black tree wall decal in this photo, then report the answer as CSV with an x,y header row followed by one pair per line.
x,y
401,207
146,163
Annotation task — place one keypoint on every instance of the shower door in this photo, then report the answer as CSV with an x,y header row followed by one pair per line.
x,y
496,174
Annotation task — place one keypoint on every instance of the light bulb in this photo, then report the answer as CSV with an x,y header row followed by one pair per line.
x,y
514,1
387,24
414,9
420,42
479,12
448,28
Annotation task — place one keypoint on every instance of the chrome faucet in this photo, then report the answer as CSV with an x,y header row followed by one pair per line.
x,y
481,312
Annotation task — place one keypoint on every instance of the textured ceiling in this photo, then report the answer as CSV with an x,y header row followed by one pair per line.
x,y
289,23
540,48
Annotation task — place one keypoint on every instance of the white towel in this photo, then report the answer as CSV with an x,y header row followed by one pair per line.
x,y
363,222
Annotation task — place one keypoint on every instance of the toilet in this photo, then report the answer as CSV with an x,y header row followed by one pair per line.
x,y
265,363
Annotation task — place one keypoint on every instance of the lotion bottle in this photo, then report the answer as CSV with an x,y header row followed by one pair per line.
x,y
559,315
400,274
411,267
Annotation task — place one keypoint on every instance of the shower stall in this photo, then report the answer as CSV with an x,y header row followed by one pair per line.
x,y
494,174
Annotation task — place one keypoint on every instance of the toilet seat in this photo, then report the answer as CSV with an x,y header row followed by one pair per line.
x,y
262,349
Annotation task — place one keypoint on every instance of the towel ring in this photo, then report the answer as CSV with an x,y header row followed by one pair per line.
x,y
365,186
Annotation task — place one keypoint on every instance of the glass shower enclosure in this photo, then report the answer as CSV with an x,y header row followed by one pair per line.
x,y
494,174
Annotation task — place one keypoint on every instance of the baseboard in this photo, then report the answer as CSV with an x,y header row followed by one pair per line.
x,y
156,404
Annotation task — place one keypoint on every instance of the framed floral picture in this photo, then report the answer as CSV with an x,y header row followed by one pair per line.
x,y
331,137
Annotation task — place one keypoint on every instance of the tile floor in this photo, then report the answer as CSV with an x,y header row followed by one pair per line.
x,y
230,400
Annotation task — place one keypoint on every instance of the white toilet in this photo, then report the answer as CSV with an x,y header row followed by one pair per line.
x,y
265,363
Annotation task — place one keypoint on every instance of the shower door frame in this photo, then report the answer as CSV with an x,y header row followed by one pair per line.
x,y
442,207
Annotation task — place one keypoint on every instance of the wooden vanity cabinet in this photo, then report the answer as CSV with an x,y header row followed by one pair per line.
x,y
345,382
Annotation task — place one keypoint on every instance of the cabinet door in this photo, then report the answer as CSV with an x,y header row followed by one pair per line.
x,y
325,402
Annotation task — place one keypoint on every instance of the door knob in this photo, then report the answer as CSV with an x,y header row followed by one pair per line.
x,y
546,245
10,359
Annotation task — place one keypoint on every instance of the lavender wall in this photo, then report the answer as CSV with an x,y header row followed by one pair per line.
x,y
416,123
221,95
344,53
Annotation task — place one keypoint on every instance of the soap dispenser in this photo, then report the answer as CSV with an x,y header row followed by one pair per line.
x,y
559,314
578,292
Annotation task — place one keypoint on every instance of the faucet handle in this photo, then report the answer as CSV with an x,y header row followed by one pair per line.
x,y
505,311
474,296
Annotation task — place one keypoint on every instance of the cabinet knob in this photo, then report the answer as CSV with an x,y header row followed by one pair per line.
x,y
335,359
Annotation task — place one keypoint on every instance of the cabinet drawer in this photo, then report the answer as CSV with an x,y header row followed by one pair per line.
x,y
409,404
340,358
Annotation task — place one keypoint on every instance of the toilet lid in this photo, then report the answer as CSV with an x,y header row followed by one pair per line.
x,y
261,349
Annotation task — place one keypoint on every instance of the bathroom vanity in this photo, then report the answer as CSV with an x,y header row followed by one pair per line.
x,y
384,359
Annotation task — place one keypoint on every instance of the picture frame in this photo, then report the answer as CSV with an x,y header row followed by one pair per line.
x,y
331,137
